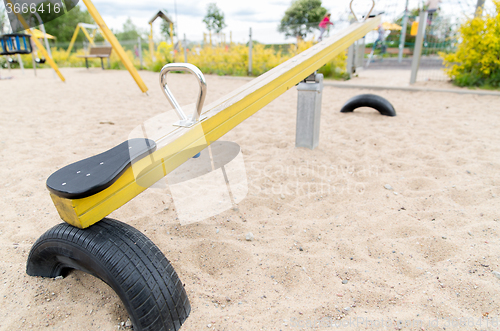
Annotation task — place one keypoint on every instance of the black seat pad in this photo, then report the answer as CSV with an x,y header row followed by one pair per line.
x,y
94,174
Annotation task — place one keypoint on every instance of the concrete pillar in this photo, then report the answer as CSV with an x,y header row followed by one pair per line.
x,y
350,61
309,112
360,54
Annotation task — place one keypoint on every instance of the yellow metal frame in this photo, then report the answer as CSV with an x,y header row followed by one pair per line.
x,y
151,43
222,116
75,34
39,46
110,37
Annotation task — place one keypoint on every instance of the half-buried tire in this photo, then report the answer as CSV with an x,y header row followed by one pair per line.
x,y
126,260
383,106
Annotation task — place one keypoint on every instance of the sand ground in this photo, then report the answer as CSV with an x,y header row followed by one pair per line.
x,y
332,243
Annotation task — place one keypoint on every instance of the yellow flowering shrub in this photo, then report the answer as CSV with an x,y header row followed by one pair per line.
x,y
220,60
233,60
477,59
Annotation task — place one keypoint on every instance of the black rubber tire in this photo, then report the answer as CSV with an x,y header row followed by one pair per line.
x,y
126,260
383,106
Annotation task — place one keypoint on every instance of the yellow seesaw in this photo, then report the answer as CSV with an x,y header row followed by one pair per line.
x,y
85,192
221,117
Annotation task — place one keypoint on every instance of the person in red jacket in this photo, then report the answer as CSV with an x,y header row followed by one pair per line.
x,y
323,25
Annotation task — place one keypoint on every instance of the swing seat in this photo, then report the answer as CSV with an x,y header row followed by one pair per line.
x,y
94,174
15,43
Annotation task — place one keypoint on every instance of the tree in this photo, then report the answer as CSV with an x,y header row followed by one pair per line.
x,y
165,27
301,18
3,20
63,27
214,19
129,31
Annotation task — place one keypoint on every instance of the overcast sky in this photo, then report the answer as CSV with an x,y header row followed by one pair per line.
x,y
263,16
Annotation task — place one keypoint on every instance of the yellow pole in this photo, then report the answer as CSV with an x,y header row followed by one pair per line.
x,y
116,45
210,34
91,40
73,39
151,43
46,55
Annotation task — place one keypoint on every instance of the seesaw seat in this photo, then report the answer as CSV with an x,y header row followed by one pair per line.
x,y
94,174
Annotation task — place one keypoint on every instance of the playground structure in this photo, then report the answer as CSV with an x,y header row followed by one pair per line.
x,y
16,44
85,192
107,34
45,52
110,37
94,30
160,14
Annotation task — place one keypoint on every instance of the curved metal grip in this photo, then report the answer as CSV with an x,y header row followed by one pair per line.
x,y
184,120
366,16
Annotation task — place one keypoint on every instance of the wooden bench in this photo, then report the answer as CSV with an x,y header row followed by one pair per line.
x,y
97,52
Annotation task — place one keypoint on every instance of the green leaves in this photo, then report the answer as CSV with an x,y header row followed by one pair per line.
x,y
301,18
64,26
214,19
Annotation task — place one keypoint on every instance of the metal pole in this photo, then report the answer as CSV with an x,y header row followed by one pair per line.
x,y
359,54
34,62
21,64
250,54
33,55
309,112
403,34
419,43
479,8
47,45
139,41
185,52
350,60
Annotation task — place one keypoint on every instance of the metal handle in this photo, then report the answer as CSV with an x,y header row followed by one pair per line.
x,y
184,120
367,15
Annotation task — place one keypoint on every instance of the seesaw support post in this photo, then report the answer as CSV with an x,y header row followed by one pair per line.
x,y
310,93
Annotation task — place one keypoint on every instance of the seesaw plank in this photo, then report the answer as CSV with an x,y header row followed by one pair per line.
x,y
180,144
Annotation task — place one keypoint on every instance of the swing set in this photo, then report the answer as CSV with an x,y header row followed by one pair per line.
x,y
94,31
104,30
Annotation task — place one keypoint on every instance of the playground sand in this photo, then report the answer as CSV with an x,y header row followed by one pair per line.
x,y
333,249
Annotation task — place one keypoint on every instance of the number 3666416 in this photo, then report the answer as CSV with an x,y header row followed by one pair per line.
x,y
25,8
